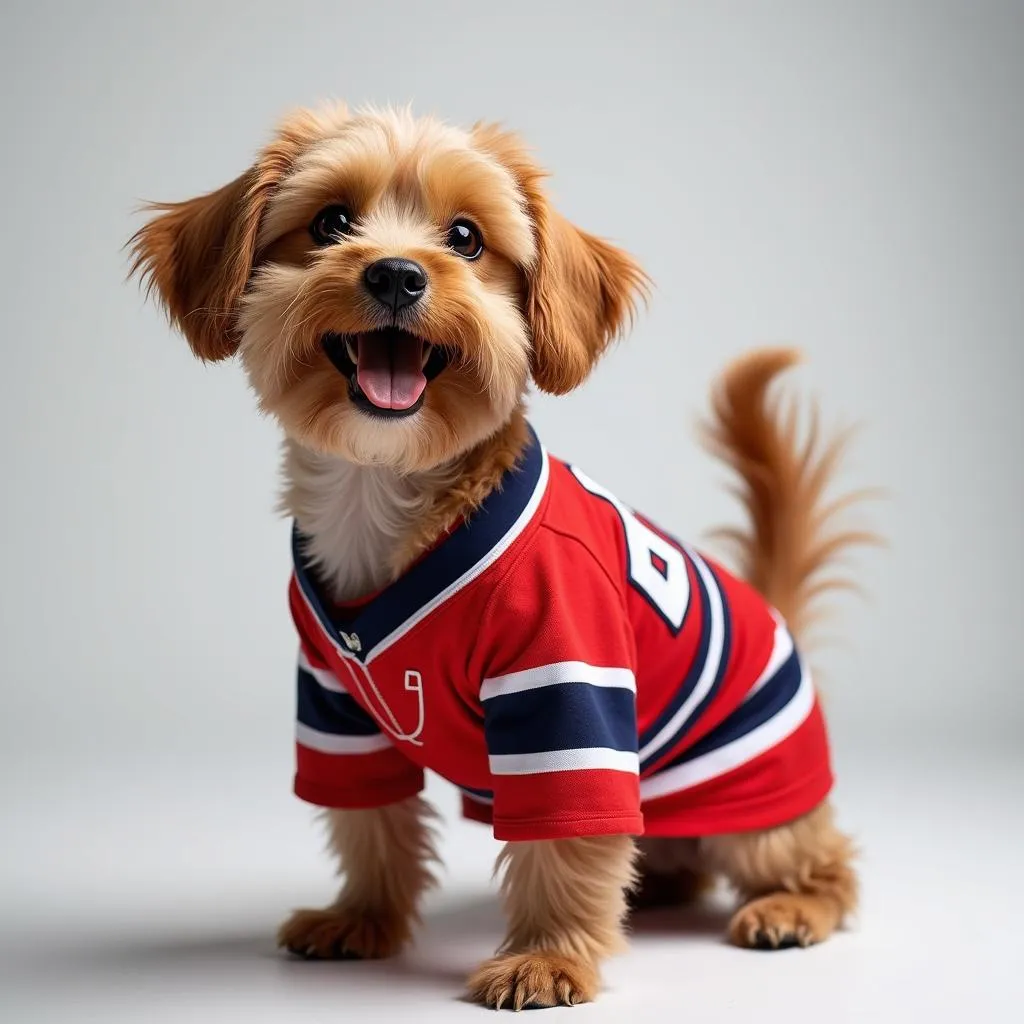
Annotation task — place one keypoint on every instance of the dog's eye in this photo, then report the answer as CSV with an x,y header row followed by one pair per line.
x,y
464,238
330,225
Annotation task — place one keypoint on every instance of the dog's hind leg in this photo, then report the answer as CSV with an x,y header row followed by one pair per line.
x,y
670,874
796,880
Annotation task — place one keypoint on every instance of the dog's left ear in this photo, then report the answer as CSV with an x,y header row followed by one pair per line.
x,y
581,291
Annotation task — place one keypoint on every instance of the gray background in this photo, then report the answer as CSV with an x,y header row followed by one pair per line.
x,y
845,176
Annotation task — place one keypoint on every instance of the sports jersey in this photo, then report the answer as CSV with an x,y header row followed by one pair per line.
x,y
570,666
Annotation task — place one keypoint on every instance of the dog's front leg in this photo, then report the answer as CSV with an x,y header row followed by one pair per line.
x,y
565,900
385,855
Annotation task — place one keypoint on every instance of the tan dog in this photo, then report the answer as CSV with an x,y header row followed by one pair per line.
x,y
391,286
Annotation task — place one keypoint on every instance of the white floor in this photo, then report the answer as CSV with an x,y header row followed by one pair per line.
x,y
153,895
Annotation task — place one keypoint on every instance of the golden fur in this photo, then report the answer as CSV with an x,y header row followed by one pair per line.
x,y
387,854
545,298
797,878
237,271
792,538
566,902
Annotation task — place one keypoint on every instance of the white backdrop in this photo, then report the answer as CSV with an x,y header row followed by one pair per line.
x,y
848,177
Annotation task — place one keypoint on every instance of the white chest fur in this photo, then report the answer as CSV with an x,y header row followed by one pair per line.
x,y
355,517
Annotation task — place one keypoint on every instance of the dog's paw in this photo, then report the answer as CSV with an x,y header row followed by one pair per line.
x,y
340,933
783,920
532,980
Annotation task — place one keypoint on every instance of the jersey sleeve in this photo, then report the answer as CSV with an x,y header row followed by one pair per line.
x,y
343,759
559,698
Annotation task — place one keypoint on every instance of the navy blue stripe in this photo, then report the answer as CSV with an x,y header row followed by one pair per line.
x,y
696,667
327,711
566,716
459,552
776,693
723,665
486,794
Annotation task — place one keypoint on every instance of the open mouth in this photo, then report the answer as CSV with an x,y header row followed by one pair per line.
x,y
387,369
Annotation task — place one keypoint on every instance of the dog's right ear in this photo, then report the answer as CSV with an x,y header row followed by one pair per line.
x,y
198,255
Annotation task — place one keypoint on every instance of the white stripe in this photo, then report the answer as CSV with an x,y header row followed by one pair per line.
x,y
716,642
325,677
782,648
555,674
756,742
471,574
487,801
328,743
564,761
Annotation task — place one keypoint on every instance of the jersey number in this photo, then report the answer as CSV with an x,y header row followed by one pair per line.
x,y
657,568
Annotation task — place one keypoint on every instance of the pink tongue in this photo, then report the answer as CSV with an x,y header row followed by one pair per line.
x,y
389,372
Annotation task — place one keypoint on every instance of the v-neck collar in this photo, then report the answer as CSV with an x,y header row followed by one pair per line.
x,y
464,554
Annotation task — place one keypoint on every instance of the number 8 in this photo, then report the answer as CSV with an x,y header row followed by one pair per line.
x,y
665,586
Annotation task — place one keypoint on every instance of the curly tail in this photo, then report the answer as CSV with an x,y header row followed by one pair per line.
x,y
792,538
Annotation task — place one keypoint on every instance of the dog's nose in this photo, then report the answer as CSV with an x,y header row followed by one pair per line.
x,y
396,283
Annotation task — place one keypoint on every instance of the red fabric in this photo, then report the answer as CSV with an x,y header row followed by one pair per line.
x,y
560,594
788,781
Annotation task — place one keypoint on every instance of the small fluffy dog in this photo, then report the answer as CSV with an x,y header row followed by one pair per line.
x,y
469,604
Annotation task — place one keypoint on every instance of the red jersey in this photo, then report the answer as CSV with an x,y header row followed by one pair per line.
x,y
572,668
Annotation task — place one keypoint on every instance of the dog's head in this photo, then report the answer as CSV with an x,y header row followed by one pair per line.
x,y
390,284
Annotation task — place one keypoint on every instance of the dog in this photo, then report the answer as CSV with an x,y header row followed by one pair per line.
x,y
632,719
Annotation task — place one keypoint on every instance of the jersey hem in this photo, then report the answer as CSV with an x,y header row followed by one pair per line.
x,y
569,828
772,812
319,795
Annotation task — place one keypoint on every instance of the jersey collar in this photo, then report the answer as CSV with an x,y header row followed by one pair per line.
x,y
464,554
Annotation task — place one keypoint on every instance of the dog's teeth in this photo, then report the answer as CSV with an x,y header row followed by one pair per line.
x,y
350,348
427,348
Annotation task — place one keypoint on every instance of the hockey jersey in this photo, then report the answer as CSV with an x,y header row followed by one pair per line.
x,y
571,667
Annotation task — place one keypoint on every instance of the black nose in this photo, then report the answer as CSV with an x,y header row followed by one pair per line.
x,y
396,283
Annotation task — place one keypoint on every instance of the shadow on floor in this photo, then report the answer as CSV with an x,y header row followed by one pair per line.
x,y
701,920
453,940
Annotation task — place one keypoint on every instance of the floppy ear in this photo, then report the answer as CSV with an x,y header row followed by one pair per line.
x,y
581,291
198,255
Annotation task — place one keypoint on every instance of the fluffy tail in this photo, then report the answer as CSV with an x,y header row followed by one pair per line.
x,y
792,540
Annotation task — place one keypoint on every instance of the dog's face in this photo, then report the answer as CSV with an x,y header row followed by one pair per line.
x,y
390,284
